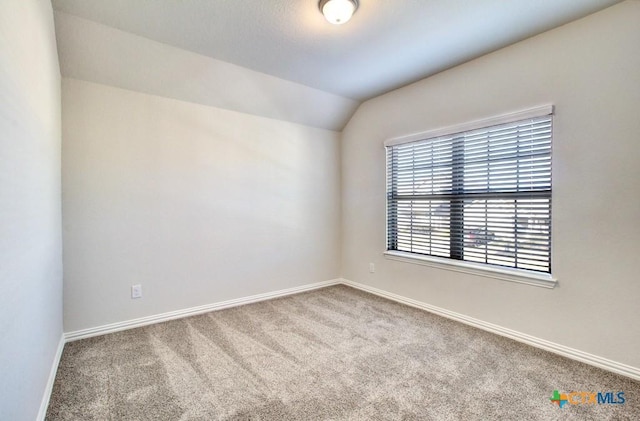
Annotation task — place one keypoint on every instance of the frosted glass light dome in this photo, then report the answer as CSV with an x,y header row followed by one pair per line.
x,y
338,12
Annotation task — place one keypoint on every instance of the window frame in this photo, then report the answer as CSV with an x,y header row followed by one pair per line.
x,y
519,275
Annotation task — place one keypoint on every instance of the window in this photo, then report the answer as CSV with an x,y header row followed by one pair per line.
x,y
477,193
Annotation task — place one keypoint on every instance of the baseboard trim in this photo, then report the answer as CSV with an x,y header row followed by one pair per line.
x,y
574,354
44,404
178,314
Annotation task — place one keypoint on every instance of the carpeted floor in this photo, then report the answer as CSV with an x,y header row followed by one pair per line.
x,y
330,354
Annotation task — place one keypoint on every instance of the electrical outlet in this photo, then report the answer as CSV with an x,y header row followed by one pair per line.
x,y
372,267
136,291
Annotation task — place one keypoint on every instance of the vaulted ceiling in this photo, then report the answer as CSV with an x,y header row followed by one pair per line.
x,y
387,44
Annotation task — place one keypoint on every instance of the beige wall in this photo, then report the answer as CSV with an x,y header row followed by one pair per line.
x,y
197,204
30,237
589,70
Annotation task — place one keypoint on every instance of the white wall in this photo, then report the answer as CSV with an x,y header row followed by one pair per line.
x,y
30,237
590,70
197,204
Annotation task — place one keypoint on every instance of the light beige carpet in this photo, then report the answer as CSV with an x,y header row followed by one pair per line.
x,y
331,354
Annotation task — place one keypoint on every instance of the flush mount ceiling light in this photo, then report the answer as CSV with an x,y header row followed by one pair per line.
x,y
338,11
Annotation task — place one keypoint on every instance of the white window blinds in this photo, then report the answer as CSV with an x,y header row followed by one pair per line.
x,y
482,195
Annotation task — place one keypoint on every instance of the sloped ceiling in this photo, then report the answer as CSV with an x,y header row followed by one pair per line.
x,y
98,53
387,44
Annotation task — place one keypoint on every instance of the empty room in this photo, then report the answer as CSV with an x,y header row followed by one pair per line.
x,y
319,210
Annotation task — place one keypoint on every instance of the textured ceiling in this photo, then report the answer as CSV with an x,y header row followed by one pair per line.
x,y
387,44
101,54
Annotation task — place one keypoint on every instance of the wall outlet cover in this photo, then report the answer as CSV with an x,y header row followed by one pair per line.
x,y
136,291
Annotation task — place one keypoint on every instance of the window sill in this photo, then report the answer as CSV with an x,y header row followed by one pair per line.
x,y
506,274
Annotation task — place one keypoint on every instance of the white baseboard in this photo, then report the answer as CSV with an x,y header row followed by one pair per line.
x,y
178,314
574,354
44,404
